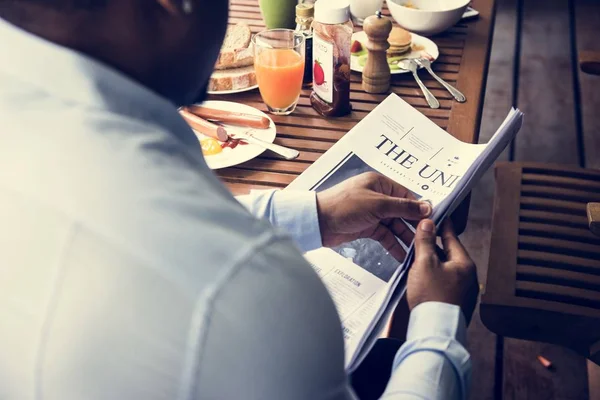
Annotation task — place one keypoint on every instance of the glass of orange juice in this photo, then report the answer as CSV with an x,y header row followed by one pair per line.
x,y
279,66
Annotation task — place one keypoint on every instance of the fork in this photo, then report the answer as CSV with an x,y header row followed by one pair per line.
x,y
425,63
411,65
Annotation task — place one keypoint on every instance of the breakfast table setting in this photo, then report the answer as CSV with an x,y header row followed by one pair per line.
x,y
294,77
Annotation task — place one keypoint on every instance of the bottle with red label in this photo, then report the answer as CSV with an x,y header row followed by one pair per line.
x,y
332,37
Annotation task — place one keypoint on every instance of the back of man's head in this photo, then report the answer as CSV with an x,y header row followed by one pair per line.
x,y
168,45
60,3
12,7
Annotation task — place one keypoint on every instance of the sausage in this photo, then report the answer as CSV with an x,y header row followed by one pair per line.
x,y
231,117
204,126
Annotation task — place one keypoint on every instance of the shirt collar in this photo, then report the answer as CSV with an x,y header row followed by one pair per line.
x,y
77,78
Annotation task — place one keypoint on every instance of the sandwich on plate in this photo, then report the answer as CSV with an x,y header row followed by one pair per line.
x,y
234,69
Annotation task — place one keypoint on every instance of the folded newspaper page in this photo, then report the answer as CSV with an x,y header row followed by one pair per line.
x,y
399,142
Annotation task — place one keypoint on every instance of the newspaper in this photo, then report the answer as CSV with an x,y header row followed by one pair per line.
x,y
364,280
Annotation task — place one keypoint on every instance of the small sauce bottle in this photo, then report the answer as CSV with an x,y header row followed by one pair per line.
x,y
304,19
332,37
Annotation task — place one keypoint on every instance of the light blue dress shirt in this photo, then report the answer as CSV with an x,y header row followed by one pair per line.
x,y
128,271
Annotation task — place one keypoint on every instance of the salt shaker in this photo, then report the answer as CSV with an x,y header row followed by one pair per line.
x,y
376,73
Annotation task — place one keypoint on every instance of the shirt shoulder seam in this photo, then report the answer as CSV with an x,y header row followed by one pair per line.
x,y
50,308
204,307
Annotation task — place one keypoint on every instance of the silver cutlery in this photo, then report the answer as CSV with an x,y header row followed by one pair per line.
x,y
425,63
411,65
285,152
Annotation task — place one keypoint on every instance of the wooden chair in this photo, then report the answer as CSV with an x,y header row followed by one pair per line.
x,y
543,280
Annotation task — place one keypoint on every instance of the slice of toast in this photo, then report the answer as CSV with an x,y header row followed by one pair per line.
x,y
236,50
232,79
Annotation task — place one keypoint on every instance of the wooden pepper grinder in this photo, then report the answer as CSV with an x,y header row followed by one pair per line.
x,y
376,74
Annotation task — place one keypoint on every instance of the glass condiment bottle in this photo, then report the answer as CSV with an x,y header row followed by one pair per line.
x,y
332,37
304,20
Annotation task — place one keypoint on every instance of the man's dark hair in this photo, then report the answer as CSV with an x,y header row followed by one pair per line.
x,y
59,4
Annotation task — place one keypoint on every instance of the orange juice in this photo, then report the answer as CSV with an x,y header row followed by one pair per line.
x,y
279,75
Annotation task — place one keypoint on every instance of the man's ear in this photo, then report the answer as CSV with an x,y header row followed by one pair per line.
x,y
173,7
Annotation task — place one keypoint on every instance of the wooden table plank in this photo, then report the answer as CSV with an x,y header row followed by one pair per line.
x,y
361,101
306,112
259,177
464,51
483,345
546,91
526,378
549,135
466,117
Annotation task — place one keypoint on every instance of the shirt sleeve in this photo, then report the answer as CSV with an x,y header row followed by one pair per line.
x,y
433,363
291,210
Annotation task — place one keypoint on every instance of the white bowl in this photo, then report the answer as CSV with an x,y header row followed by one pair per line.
x,y
430,17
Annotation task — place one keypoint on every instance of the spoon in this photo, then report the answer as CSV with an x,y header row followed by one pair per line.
x,y
425,63
411,65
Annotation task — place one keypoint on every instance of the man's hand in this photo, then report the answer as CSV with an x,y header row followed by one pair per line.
x,y
369,206
452,280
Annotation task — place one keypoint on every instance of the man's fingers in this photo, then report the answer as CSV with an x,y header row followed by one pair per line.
x,y
425,247
387,239
411,196
384,185
394,207
401,230
452,246
397,190
394,200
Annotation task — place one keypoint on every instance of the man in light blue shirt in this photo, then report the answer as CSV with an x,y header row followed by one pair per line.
x,y
128,271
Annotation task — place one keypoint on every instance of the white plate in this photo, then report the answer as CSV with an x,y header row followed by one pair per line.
x,y
429,48
233,91
242,153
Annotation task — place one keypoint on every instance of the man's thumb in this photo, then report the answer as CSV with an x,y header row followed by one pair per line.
x,y
425,239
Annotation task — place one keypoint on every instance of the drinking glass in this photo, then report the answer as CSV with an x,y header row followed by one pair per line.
x,y
361,9
279,66
278,13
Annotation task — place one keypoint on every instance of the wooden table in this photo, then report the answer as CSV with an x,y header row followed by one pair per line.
x,y
463,61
